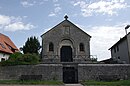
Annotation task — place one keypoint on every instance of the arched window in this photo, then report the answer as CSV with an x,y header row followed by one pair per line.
x,y
51,46
81,47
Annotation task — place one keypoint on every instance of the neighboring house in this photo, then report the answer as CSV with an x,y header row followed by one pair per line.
x,y
121,49
7,47
65,43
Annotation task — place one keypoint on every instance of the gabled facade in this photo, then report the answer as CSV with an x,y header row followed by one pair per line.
x,y
65,43
7,47
121,49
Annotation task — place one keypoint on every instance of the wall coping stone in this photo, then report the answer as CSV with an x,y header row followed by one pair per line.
x,y
103,64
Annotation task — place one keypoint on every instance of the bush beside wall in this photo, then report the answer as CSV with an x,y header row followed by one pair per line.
x,y
21,59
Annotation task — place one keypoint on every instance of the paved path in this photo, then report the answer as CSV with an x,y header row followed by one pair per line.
x,y
46,85
73,85
32,85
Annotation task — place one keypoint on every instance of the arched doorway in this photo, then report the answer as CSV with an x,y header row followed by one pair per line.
x,y
66,54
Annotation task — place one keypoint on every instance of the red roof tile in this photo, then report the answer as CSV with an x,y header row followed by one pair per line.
x,y
6,45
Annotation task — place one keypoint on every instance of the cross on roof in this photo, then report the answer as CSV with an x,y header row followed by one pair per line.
x,y
66,17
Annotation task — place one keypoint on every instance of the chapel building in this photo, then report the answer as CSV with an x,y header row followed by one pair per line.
x,y
65,42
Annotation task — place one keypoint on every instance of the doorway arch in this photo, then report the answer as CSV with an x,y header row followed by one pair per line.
x,y
66,50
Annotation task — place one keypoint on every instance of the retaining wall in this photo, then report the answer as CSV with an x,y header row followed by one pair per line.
x,y
47,71
103,71
55,72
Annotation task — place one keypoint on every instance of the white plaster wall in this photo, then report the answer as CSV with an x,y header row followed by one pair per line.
x,y
128,38
4,55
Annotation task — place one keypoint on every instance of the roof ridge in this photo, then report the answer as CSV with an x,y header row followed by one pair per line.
x,y
3,35
61,23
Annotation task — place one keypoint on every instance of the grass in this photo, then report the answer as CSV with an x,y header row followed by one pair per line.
x,y
85,83
31,82
105,83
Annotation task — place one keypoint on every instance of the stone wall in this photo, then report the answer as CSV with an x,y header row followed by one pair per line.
x,y
103,71
47,71
55,72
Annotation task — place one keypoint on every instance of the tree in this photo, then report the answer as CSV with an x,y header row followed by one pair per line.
x,y
32,45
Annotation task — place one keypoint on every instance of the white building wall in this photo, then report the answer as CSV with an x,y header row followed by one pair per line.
x,y
123,52
4,55
128,42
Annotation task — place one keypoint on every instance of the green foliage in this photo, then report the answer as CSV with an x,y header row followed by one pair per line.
x,y
31,82
13,56
7,63
28,58
32,45
21,59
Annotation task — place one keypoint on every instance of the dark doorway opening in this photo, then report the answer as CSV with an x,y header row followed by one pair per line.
x,y
66,54
70,75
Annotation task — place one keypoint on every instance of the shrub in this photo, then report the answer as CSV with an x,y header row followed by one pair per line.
x,y
13,56
21,59
7,63
28,58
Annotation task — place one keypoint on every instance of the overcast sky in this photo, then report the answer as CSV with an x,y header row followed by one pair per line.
x,y
104,20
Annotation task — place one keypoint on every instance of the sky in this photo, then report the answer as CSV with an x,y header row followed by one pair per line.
x,y
104,20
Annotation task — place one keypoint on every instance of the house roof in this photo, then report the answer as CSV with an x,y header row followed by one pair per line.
x,y
121,39
6,45
66,19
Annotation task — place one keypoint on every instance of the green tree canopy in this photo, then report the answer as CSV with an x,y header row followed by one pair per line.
x,y
32,45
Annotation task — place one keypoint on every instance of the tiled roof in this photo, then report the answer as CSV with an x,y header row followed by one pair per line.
x,y
6,45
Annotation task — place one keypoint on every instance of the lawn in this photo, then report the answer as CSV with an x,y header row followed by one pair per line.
x,y
105,83
85,83
31,82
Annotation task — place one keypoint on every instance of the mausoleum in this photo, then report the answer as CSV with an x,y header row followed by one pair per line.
x,y
65,43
